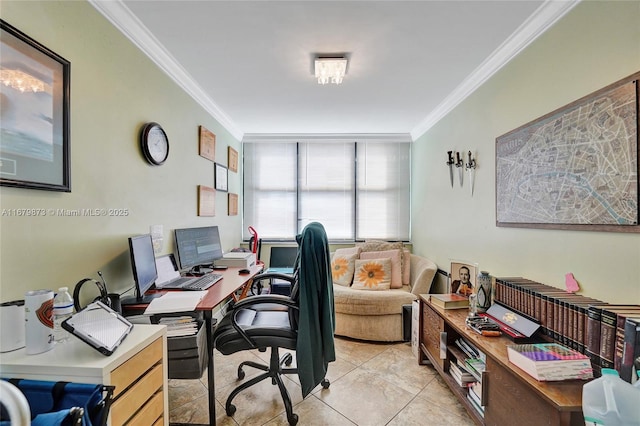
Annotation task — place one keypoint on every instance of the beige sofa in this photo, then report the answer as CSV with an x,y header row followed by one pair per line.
x,y
377,315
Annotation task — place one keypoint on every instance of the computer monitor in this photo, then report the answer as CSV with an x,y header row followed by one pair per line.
x,y
143,265
198,246
283,257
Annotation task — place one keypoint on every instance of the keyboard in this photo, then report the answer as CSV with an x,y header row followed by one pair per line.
x,y
203,282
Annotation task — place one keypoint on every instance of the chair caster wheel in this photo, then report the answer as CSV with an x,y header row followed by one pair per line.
x,y
325,384
231,410
293,420
288,359
240,373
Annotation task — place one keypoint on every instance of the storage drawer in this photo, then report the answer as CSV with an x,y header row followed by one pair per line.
x,y
126,374
151,413
432,326
144,390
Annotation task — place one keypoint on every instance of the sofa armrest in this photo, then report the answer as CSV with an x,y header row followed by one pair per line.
x,y
423,271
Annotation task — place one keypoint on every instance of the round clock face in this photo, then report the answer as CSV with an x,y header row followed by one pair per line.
x,y
155,144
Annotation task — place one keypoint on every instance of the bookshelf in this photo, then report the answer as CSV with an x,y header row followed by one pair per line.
x,y
506,391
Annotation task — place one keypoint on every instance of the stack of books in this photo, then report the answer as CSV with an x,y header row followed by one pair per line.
x,y
460,374
550,361
449,301
180,326
474,395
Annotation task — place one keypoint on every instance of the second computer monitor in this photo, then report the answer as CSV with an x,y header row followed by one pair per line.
x,y
198,246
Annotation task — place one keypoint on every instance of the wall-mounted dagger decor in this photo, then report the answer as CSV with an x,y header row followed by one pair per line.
x,y
471,169
450,163
459,163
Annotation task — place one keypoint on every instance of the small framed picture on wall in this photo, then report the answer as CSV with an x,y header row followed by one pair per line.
x,y
221,177
233,160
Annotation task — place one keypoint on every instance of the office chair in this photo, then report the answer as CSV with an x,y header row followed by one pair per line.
x,y
304,322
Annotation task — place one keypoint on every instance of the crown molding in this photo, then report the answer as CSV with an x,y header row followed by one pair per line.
x,y
128,24
539,22
327,137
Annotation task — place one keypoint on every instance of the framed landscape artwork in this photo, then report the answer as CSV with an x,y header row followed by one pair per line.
x,y
575,168
34,118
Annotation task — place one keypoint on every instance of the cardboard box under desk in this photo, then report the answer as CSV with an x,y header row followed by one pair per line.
x,y
187,355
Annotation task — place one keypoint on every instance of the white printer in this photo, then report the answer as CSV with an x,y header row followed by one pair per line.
x,y
237,260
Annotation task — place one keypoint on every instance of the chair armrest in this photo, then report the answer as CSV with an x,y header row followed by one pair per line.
x,y
274,275
264,298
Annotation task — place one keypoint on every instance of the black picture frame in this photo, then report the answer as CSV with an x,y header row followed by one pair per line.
x,y
34,125
221,177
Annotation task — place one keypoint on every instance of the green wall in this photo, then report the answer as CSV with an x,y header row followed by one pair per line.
x,y
115,89
596,44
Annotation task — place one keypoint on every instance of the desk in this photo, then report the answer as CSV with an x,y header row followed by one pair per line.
x,y
137,369
216,294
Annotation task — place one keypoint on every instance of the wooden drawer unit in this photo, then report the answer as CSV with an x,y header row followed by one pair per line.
x,y
432,326
137,369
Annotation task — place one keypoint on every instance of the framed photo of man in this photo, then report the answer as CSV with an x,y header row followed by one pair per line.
x,y
463,278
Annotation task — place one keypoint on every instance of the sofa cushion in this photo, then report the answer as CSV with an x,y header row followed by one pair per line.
x,y
347,300
342,267
396,263
348,251
372,274
380,245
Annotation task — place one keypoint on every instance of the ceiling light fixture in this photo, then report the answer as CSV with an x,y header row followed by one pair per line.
x,y
330,70
22,81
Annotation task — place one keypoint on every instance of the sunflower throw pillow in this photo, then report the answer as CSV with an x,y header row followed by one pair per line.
x,y
342,267
372,274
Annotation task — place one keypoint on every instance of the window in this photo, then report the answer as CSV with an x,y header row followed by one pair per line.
x,y
357,190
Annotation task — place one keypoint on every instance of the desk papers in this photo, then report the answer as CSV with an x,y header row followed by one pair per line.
x,y
175,301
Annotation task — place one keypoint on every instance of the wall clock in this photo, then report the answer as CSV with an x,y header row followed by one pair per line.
x,y
154,143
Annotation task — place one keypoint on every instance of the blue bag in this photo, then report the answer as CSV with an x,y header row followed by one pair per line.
x,y
65,403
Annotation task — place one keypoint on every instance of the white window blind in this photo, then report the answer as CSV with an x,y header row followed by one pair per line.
x,y
357,190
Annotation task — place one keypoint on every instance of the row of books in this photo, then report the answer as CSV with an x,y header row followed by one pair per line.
x,y
585,324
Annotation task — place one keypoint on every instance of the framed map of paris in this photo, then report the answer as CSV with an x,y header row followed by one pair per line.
x,y
574,168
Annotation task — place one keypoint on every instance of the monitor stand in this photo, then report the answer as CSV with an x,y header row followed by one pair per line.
x,y
134,300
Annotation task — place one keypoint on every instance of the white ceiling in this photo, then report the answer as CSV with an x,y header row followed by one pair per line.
x,y
250,63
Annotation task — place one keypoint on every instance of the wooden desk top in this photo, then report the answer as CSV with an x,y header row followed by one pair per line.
x,y
564,395
231,281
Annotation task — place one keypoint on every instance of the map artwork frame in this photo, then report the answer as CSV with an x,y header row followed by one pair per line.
x,y
574,168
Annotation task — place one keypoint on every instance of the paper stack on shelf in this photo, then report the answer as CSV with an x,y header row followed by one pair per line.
x,y
180,326
550,361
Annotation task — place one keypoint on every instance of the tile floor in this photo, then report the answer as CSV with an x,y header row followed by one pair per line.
x,y
371,384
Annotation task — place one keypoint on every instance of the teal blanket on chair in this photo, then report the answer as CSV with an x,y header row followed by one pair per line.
x,y
316,323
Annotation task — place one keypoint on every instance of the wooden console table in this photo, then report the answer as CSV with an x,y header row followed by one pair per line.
x,y
137,369
510,395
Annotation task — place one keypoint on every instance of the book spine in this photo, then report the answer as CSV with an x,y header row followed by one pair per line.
x,y
581,327
607,338
594,316
631,349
